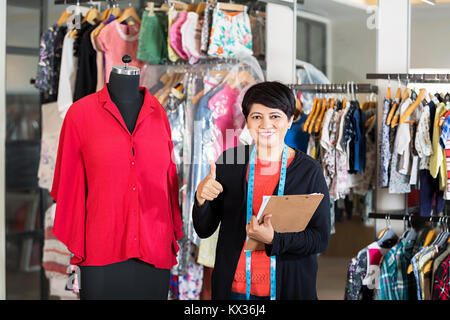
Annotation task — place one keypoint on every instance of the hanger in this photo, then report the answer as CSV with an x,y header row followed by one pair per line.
x,y
231,6
129,12
388,94
318,122
105,14
92,17
395,104
310,115
200,8
63,18
387,238
316,113
431,235
178,5
412,107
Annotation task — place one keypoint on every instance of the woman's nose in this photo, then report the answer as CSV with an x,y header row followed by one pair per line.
x,y
267,123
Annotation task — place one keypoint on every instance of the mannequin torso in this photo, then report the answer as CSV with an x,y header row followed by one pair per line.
x,y
124,92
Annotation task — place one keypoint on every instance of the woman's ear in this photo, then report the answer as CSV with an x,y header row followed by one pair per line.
x,y
291,120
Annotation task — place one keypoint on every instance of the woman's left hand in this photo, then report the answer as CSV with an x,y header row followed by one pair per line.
x,y
262,232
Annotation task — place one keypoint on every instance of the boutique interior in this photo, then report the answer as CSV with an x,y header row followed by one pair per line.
x,y
386,59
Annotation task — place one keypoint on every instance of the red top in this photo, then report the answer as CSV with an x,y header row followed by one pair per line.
x,y
267,175
116,193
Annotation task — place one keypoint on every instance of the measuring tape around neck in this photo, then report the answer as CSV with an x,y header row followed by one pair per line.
x,y
248,254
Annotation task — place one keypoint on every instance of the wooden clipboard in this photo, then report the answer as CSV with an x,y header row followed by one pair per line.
x,y
290,213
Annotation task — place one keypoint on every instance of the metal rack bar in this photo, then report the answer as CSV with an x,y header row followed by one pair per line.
x,y
335,88
411,77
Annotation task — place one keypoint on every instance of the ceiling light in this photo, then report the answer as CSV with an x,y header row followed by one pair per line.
x,y
432,2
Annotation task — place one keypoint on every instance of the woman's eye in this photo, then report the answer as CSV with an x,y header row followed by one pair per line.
x,y
275,116
256,117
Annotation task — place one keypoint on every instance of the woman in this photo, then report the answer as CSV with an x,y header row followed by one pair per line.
x,y
221,198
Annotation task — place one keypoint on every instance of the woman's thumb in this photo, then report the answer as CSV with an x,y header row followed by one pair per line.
x,y
212,170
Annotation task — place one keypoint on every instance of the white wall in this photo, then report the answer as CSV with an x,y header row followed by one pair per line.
x,y
279,44
353,49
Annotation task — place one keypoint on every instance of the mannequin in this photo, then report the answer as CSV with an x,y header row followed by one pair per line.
x,y
133,278
123,88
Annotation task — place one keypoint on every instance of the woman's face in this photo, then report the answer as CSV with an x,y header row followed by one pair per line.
x,y
268,126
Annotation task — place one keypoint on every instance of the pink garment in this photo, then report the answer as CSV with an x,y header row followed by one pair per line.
x,y
175,35
222,105
188,30
117,40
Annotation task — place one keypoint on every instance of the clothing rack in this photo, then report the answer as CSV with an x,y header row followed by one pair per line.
x,y
336,88
411,77
400,215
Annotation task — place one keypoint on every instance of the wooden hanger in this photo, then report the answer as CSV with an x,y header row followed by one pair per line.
x,y
63,18
200,8
92,17
318,122
231,6
192,7
397,113
129,12
412,107
394,107
178,5
313,120
370,120
105,14
310,115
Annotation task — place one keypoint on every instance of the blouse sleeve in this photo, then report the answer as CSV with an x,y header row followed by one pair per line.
x,y
315,238
173,193
69,192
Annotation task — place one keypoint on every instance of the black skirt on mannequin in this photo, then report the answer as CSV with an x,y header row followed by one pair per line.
x,y
132,279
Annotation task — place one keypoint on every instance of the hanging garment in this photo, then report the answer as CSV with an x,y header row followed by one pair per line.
x,y
231,34
357,271
423,141
175,35
444,141
51,128
171,16
327,142
99,63
152,47
441,276
49,65
295,137
190,285
102,228
402,140
86,79
385,153
394,283
55,260
117,40
188,41
67,76
206,27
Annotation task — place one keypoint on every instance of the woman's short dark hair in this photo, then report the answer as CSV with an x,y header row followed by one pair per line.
x,y
271,94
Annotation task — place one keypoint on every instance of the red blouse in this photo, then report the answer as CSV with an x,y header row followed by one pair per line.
x,y
116,193
267,176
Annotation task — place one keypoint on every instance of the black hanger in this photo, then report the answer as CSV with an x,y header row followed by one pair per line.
x,y
447,98
438,96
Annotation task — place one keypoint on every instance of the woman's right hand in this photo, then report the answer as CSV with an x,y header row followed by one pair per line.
x,y
209,188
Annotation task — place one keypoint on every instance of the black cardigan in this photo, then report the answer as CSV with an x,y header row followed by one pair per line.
x,y
296,252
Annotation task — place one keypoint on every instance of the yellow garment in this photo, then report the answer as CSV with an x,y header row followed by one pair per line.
x,y
207,250
171,53
438,164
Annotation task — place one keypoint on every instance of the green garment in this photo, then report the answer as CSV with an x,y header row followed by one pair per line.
x,y
152,46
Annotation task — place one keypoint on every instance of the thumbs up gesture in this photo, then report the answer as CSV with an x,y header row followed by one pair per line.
x,y
209,188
